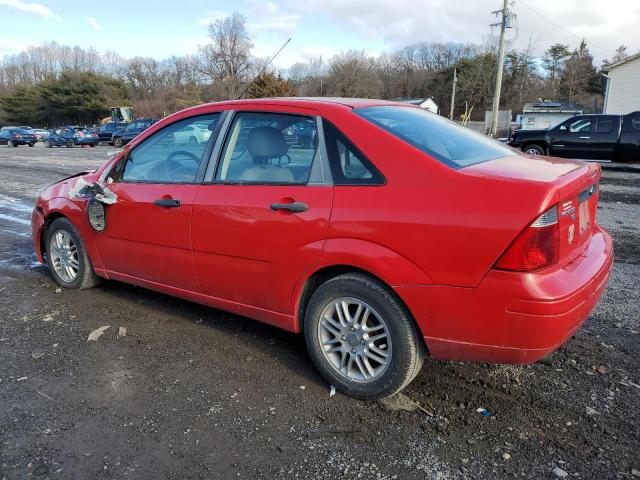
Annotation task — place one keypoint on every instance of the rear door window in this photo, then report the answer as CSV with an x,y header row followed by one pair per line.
x,y
605,124
268,148
446,141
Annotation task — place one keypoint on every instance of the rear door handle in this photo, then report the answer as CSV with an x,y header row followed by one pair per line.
x,y
167,203
295,207
585,138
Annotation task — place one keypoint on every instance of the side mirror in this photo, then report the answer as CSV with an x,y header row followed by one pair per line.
x,y
563,128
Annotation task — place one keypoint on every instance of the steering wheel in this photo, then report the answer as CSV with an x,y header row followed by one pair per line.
x,y
172,167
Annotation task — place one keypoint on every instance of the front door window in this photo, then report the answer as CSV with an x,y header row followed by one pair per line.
x,y
170,156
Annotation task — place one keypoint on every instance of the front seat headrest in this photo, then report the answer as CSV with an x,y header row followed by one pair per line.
x,y
266,142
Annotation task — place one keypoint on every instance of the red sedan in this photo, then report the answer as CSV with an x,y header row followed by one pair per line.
x,y
381,231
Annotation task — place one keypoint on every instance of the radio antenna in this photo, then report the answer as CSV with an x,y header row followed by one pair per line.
x,y
263,69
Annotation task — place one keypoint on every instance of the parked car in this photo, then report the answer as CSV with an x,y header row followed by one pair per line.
x,y
397,233
70,137
608,137
13,136
132,130
106,131
40,133
191,135
299,134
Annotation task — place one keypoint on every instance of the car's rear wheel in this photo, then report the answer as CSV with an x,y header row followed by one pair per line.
x,y
47,144
11,144
533,149
69,143
117,143
32,144
68,261
361,338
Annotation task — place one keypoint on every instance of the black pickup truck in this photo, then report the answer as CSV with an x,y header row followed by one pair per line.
x,y
600,137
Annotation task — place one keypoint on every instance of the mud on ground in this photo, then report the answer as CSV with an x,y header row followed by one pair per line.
x,y
191,392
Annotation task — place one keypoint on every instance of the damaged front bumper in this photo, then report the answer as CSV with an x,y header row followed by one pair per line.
x,y
37,225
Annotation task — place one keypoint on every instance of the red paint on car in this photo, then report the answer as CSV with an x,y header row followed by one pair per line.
x,y
467,248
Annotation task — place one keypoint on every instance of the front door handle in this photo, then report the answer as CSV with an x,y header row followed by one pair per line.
x,y
167,203
295,207
585,138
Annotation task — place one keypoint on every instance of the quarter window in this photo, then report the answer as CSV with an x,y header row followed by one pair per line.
x,y
171,155
268,148
348,165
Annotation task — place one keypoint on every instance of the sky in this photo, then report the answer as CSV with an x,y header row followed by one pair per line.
x,y
160,28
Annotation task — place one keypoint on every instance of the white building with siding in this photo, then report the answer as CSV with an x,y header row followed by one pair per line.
x,y
622,95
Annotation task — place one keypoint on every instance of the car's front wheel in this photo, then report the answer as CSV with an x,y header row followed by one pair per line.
x,y
47,144
117,143
69,143
361,338
11,144
68,261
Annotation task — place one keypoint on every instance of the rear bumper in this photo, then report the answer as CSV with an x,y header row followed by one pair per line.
x,y
512,317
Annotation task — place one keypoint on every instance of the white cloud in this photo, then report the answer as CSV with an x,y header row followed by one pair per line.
x,y
93,22
211,16
269,17
38,9
9,46
604,25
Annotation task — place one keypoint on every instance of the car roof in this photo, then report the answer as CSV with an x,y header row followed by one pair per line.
x,y
309,102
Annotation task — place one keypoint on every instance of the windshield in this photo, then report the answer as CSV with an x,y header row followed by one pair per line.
x,y
446,141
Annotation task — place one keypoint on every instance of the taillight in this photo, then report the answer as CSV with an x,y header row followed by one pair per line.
x,y
18,136
536,247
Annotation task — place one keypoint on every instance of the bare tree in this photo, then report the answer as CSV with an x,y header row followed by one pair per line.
x,y
226,59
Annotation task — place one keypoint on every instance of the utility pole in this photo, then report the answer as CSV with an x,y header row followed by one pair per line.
x,y
504,24
453,92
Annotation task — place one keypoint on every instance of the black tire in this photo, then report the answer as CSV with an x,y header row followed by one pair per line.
x,y
70,143
408,350
47,144
533,149
32,144
86,278
10,144
117,143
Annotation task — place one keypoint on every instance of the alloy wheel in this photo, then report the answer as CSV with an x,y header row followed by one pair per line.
x,y
64,256
354,340
532,151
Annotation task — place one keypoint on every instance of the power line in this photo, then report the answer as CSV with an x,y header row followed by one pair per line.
x,y
599,47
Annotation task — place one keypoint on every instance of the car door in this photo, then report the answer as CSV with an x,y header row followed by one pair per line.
x,y
572,138
604,139
148,229
3,136
261,218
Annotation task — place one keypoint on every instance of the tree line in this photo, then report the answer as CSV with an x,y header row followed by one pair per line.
x,y
52,83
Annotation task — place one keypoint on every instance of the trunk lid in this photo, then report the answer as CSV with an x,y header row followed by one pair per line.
x,y
576,189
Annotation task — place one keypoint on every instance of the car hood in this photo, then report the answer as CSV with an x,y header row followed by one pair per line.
x,y
530,133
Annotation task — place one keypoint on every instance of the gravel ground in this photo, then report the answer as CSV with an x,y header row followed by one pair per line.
x,y
191,392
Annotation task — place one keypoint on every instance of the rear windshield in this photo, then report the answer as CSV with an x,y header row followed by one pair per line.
x,y
446,141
